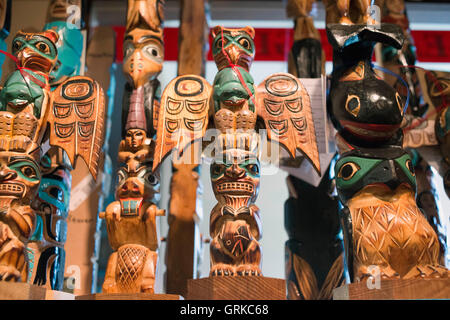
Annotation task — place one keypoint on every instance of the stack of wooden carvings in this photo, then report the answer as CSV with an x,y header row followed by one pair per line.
x,y
387,236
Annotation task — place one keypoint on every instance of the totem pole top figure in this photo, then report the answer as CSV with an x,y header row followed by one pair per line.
x,y
74,111
233,47
143,43
363,108
281,101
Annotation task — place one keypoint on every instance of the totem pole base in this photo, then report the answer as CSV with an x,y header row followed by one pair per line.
x,y
412,289
129,296
26,291
236,288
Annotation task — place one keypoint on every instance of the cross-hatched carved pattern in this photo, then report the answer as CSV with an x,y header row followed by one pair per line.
x,y
397,238
129,267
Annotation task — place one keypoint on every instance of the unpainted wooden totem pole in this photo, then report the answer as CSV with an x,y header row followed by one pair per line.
x,y
184,240
70,117
375,177
314,251
131,219
189,106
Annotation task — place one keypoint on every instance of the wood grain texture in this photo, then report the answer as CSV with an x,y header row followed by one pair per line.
x,y
129,296
396,290
236,288
193,38
285,106
25,291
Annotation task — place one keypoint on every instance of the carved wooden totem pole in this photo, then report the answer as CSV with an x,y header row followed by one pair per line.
x,y
70,117
189,105
314,252
375,178
131,219
46,250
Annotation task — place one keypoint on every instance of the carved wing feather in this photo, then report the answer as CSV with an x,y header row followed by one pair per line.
x,y
285,106
183,115
77,120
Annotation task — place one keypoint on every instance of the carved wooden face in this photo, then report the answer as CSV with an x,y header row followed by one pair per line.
x,y
36,51
135,138
384,168
143,56
236,174
233,46
57,10
136,180
19,176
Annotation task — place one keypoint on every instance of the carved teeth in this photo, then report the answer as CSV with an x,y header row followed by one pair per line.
x,y
11,188
235,186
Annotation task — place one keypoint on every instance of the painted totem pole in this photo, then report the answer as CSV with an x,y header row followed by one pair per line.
x,y
314,252
189,106
375,177
69,117
46,249
131,219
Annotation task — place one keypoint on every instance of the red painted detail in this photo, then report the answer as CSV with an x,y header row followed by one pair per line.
x,y
273,44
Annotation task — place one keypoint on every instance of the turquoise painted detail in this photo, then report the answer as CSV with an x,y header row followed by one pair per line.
x,y
39,231
70,49
62,201
365,166
19,91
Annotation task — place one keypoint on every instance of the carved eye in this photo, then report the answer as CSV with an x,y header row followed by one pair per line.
x,y
16,45
219,43
217,169
353,105
43,47
29,172
410,167
348,170
253,169
399,102
121,176
150,178
153,52
245,43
